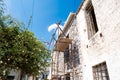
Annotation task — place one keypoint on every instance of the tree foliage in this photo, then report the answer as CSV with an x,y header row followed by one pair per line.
x,y
20,49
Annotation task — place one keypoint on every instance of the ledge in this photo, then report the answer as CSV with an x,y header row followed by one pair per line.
x,y
62,44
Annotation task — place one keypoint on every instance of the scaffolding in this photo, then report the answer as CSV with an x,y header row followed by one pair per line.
x,y
60,45
63,43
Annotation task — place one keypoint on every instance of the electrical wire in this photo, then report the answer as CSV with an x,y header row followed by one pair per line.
x,y
31,17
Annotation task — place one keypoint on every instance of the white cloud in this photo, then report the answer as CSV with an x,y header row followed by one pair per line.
x,y
51,27
54,26
61,27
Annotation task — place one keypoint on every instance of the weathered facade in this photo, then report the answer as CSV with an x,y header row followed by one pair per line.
x,y
93,53
67,60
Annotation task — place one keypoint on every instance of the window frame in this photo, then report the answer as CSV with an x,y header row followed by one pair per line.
x,y
76,56
100,72
92,26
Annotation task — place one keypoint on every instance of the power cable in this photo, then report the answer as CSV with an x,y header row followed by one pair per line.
x,y
31,17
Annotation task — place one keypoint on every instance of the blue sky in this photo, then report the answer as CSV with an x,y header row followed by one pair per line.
x,y
45,13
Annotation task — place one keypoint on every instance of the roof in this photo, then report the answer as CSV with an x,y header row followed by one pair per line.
x,y
71,15
68,21
80,6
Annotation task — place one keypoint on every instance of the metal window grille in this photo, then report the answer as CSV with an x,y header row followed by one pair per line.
x,y
100,72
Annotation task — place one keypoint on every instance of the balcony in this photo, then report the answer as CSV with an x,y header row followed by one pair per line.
x,y
62,44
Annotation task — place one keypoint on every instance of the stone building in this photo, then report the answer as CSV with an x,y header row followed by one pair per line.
x,y
67,55
88,48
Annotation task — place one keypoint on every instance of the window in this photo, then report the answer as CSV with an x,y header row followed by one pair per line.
x,y
76,58
67,76
67,58
66,55
100,72
44,76
10,77
91,20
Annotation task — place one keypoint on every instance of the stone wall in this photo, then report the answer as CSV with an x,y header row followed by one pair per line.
x,y
57,65
105,44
